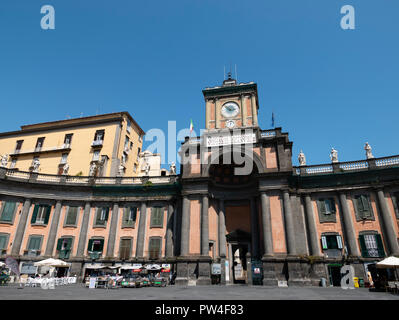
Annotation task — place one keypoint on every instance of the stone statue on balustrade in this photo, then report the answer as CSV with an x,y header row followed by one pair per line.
x,y
93,169
369,155
334,155
302,159
172,169
65,169
146,168
121,170
36,165
4,161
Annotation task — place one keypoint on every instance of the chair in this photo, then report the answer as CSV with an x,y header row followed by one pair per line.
x,y
391,286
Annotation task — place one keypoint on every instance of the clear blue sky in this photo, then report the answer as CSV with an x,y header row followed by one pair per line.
x,y
327,86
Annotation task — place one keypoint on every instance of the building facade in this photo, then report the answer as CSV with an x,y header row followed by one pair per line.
x,y
104,145
237,203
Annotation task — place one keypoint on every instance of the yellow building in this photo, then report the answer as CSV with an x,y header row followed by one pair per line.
x,y
103,145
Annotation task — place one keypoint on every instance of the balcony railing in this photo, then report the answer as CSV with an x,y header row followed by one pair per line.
x,y
360,165
41,150
97,143
49,178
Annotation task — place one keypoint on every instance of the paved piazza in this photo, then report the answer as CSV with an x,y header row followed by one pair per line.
x,y
233,292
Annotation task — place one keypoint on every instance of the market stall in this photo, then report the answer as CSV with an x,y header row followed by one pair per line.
x,y
391,279
53,267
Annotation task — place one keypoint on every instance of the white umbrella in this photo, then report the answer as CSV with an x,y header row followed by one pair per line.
x,y
390,262
153,267
2,264
94,266
52,263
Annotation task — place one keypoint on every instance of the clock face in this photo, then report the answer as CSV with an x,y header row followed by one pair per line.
x,y
230,110
230,124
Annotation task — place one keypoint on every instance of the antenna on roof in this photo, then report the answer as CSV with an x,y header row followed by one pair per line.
x,y
235,67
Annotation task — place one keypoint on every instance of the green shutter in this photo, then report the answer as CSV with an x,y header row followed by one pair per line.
x,y
3,240
333,209
324,243
359,207
90,245
47,217
8,211
363,247
106,214
101,244
380,245
72,215
59,244
34,214
322,206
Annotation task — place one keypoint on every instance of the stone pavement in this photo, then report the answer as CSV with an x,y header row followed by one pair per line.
x,y
232,292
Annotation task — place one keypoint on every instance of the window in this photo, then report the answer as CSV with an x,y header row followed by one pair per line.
x,y
34,245
155,248
7,211
157,217
39,144
64,158
3,242
331,242
129,217
98,138
135,168
138,153
18,146
64,247
131,145
371,245
68,140
126,148
96,245
363,207
71,216
102,216
326,209
41,214
125,249
128,126
96,155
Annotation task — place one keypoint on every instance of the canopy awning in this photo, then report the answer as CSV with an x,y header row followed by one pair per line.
x,y
52,263
153,267
390,262
94,266
2,264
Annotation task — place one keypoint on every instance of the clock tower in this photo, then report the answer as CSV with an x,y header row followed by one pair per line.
x,y
232,105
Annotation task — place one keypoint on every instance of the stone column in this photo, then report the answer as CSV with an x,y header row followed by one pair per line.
x,y
53,229
254,229
310,219
243,111
141,231
205,226
112,231
289,223
254,113
169,232
207,112
83,230
217,124
185,227
353,248
266,225
19,234
386,217
222,230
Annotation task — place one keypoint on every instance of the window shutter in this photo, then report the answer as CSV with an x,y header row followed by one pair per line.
x,y
339,241
8,211
47,217
363,247
359,207
3,242
90,246
333,209
322,206
34,214
101,245
106,213
324,242
367,206
59,244
380,245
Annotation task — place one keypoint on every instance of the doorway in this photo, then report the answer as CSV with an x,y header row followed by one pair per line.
x,y
239,262
334,273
